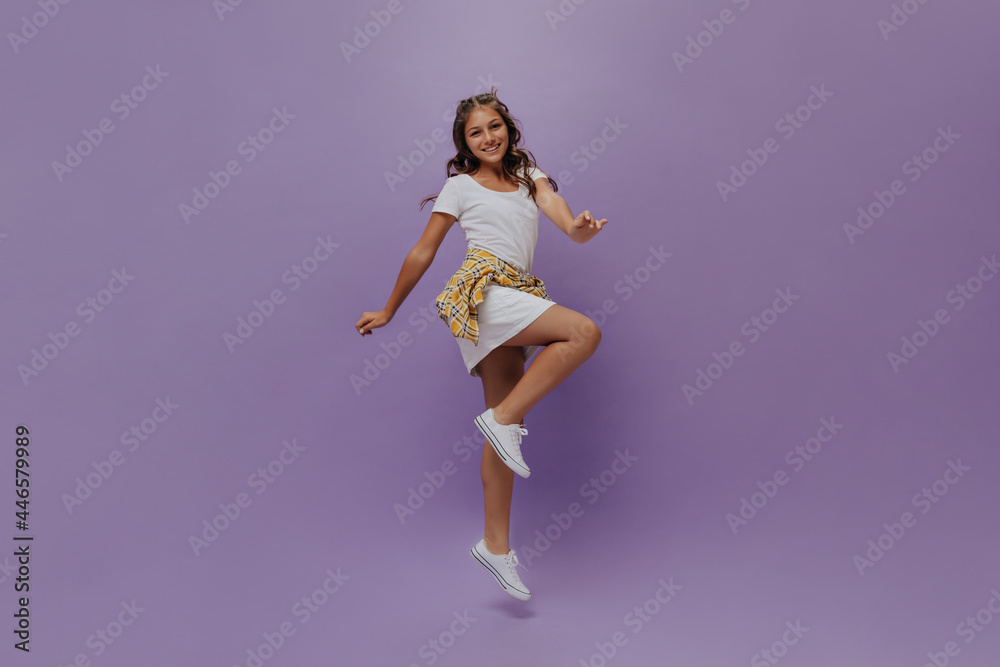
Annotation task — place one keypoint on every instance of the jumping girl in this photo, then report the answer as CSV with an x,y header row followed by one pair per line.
x,y
498,312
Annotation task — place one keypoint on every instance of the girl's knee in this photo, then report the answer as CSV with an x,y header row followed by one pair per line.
x,y
596,335
586,334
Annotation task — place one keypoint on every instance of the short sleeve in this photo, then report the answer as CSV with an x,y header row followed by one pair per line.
x,y
536,173
448,200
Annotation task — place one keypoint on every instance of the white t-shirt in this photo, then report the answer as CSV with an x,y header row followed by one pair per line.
x,y
504,223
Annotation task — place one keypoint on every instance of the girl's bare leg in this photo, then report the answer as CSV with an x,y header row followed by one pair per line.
x,y
499,371
570,339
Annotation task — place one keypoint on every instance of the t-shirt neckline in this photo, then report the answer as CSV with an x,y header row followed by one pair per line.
x,y
510,192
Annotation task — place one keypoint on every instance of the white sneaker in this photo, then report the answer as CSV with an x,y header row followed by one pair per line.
x,y
506,441
504,568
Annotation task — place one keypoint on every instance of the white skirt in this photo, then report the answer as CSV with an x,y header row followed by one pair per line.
x,y
504,312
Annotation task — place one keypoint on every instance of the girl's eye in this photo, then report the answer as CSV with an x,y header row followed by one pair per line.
x,y
495,127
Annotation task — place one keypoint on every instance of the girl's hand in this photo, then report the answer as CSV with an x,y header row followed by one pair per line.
x,y
371,321
585,227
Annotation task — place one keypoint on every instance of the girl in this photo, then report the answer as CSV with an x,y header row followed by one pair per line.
x,y
498,312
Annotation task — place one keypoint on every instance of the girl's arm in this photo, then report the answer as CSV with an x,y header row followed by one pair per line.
x,y
414,266
580,229
417,261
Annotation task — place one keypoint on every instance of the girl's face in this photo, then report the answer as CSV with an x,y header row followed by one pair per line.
x,y
485,130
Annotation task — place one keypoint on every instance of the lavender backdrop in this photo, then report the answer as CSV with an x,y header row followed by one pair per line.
x,y
784,451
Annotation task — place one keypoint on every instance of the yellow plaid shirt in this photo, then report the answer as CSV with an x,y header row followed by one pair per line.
x,y
457,304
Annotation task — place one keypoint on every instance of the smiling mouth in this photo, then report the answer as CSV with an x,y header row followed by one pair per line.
x,y
492,150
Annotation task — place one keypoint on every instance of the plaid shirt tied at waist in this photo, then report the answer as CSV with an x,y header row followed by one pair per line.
x,y
457,304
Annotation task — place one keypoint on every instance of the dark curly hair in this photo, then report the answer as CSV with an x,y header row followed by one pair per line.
x,y
515,160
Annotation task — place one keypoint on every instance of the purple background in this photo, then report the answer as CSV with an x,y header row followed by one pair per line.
x,y
366,447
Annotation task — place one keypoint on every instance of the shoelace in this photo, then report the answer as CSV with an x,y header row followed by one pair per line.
x,y
516,431
512,563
